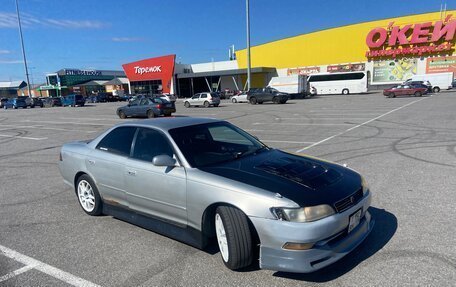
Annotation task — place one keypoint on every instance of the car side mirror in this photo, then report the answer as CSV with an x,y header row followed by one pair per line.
x,y
163,160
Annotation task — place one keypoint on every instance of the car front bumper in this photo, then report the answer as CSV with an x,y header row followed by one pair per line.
x,y
329,235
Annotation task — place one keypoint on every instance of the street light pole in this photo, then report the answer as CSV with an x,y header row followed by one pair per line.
x,y
248,43
23,49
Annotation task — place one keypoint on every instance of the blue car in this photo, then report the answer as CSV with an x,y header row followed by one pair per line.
x,y
15,104
146,107
73,100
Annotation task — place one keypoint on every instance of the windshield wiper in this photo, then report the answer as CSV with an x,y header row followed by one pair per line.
x,y
249,152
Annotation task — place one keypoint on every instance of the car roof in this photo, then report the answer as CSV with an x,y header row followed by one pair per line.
x,y
169,123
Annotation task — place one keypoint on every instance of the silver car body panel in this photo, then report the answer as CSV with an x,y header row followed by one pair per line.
x,y
182,194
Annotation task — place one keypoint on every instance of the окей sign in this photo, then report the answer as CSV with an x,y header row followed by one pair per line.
x,y
417,39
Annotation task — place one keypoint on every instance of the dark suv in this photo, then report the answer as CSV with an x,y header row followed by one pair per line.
x,y
268,94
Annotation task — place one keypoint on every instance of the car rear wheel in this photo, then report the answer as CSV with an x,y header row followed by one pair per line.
x,y
206,104
233,237
253,101
122,115
391,95
275,100
88,195
436,89
234,100
418,94
150,114
345,92
187,104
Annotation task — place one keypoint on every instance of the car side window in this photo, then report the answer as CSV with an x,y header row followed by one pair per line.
x,y
144,102
150,143
203,96
134,103
195,97
118,141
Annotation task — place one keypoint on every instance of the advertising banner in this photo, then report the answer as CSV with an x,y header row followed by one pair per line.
x,y
346,68
441,65
303,71
394,71
160,68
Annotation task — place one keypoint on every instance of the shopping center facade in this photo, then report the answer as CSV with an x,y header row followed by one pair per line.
x,y
389,51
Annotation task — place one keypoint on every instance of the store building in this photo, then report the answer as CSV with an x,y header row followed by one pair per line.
x,y
67,81
12,89
389,51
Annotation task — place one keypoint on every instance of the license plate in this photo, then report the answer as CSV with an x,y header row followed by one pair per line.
x,y
355,218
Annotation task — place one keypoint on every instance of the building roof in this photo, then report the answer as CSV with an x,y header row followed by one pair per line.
x,y
13,85
92,83
88,72
117,81
226,72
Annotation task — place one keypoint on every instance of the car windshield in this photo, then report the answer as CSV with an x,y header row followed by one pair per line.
x,y
214,143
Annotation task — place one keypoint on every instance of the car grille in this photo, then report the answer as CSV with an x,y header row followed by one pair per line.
x,y
349,201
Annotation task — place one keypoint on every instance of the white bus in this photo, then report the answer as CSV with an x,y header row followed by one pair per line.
x,y
338,83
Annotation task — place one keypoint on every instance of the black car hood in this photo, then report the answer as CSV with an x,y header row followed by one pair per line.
x,y
305,180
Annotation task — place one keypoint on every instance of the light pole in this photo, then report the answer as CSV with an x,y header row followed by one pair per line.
x,y
23,49
248,43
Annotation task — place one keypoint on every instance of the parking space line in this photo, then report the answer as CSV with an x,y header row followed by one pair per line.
x,y
15,273
45,268
293,142
316,118
65,123
21,137
8,127
360,125
293,124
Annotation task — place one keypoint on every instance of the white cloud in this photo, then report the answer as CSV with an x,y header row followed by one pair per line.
x,y
126,39
5,52
11,62
9,20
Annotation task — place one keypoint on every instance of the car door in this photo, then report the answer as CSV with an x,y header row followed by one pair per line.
x,y
157,191
143,107
194,100
106,164
202,99
132,108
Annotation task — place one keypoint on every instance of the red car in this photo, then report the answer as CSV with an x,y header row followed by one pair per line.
x,y
404,90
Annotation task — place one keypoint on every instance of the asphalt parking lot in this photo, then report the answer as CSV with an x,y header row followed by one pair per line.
x,y
406,148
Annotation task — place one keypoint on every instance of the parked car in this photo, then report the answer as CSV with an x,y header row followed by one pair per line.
x,y
227,93
169,97
420,84
73,100
268,94
101,98
150,107
454,84
203,99
3,101
8,104
28,100
37,102
201,180
55,102
19,102
240,98
404,90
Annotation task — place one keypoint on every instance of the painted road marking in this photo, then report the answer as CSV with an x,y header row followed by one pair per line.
x,y
16,272
360,125
39,127
25,138
45,268
65,123
293,124
293,142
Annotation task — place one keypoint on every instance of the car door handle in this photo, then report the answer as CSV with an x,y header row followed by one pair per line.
x,y
91,161
132,172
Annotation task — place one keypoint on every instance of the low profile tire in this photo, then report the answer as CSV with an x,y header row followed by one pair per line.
x,y
253,100
88,196
122,115
233,237
436,89
233,100
418,94
150,114
187,104
206,104
345,92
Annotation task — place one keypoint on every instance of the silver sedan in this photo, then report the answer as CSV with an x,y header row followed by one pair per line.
x,y
199,180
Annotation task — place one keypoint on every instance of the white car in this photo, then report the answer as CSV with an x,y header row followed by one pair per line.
x,y
241,98
169,97
203,99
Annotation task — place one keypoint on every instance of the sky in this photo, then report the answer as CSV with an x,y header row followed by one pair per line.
x,y
104,34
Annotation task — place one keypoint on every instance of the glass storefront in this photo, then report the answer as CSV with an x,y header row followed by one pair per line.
x,y
146,87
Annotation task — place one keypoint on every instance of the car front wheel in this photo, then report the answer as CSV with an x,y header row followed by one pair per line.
x,y
234,100
122,115
417,94
88,195
233,237
187,104
253,101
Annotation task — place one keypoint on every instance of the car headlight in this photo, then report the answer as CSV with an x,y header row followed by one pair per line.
x,y
303,214
365,185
